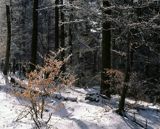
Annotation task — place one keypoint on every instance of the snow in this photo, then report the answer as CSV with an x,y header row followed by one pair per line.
x,y
2,79
81,114
9,111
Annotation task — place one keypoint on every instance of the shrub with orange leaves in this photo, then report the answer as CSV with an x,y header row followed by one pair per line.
x,y
43,82
116,78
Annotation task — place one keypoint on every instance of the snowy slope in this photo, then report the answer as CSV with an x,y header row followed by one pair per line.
x,y
82,114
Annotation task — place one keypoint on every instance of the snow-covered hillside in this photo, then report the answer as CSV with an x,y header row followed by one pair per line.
x,y
78,112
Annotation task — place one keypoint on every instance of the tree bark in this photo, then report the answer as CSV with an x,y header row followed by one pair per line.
x,y
6,66
106,50
34,35
70,35
127,77
62,36
48,34
56,25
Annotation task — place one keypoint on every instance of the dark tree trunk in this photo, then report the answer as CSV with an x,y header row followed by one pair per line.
x,y
6,66
48,34
106,51
70,36
56,24
34,35
95,61
14,66
127,78
139,14
62,35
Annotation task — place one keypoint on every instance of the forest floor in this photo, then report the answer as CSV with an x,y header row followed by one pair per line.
x,y
78,108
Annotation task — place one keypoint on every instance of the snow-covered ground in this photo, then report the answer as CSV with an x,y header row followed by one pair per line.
x,y
80,114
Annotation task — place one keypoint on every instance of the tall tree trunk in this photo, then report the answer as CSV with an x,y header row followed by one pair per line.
x,y
106,50
127,77
14,66
56,24
48,34
34,35
95,61
6,66
62,35
70,35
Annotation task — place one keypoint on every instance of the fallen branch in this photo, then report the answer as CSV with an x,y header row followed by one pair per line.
x,y
60,97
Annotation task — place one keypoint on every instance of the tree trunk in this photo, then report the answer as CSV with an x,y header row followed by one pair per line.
x,y
34,35
127,78
6,66
62,35
14,66
56,25
48,34
106,50
70,35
